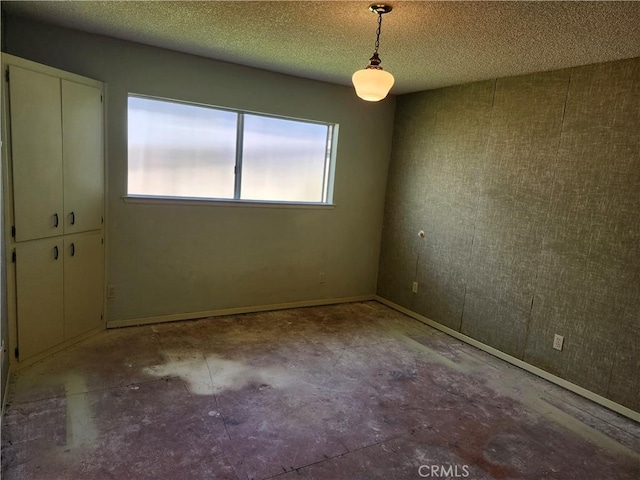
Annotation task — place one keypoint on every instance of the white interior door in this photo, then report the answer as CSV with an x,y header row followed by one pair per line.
x,y
83,283
36,153
39,284
82,157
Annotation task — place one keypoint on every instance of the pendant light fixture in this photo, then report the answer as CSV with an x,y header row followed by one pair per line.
x,y
372,83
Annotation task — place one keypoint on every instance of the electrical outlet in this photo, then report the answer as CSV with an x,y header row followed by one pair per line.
x,y
414,288
111,291
321,278
558,340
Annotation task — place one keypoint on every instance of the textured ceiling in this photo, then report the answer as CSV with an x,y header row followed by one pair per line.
x,y
424,44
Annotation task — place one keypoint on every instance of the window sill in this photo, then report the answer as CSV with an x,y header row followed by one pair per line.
x,y
218,202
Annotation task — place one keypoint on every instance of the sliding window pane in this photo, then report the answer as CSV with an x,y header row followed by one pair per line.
x,y
283,160
180,150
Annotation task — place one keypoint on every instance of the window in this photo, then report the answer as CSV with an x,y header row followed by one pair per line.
x,y
184,150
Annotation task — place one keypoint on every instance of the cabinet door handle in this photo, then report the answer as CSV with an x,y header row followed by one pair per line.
x,y
55,252
73,218
55,220
73,249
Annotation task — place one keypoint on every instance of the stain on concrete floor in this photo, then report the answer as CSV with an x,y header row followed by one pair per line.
x,y
353,391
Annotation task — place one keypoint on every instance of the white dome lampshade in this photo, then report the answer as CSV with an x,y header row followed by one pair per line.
x,y
372,84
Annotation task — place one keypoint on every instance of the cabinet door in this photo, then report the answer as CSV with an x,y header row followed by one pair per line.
x,y
83,283
36,153
82,129
39,271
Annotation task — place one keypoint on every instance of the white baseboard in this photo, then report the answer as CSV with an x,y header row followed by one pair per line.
x,y
235,311
6,383
605,402
20,364
5,395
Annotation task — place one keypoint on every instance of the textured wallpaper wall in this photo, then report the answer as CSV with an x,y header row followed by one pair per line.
x,y
528,190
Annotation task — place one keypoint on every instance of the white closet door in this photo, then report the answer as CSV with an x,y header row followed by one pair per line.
x,y
36,153
39,271
82,157
83,283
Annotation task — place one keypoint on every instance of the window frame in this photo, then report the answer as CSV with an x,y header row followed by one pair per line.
x,y
328,171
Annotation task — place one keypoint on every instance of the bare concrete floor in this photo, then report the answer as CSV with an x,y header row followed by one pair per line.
x,y
349,392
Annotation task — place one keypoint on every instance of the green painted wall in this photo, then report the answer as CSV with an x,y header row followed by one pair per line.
x,y
174,259
528,190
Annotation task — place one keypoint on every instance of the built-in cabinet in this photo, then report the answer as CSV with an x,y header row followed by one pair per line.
x,y
54,199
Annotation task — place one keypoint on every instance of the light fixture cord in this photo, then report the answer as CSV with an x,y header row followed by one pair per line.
x,y
378,32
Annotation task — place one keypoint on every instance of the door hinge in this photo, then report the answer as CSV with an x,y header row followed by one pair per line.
x,y
13,256
101,317
100,98
6,75
16,353
13,231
